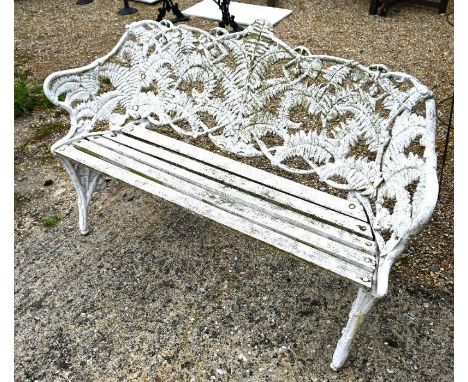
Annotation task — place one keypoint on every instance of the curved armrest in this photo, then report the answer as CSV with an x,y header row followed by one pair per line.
x,y
406,197
106,94
404,200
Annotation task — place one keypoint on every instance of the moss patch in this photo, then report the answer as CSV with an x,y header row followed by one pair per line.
x,y
45,130
50,222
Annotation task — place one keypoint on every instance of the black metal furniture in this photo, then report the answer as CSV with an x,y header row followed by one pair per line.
x,y
170,6
384,5
227,18
447,139
127,9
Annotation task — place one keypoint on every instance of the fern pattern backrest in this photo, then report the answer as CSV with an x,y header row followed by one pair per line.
x,y
363,130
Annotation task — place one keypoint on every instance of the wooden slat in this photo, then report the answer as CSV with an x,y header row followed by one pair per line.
x,y
307,193
223,197
319,212
264,234
311,224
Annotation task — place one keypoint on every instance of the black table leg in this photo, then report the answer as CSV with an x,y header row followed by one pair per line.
x,y
226,17
447,139
374,6
127,9
443,6
170,6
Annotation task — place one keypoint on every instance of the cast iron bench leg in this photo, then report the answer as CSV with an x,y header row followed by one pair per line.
x,y
361,306
86,182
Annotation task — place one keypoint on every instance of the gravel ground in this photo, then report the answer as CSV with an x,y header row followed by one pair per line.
x,y
156,293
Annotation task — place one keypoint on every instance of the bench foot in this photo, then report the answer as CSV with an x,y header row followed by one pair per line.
x,y
361,306
86,182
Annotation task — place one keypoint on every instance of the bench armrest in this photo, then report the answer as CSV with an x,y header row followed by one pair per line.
x,y
405,196
106,94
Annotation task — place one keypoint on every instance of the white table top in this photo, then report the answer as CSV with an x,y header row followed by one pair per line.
x,y
245,14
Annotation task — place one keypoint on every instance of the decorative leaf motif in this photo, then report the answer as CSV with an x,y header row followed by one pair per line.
x,y
222,86
336,74
358,172
312,147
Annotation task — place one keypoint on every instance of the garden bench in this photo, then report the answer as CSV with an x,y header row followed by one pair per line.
x,y
158,110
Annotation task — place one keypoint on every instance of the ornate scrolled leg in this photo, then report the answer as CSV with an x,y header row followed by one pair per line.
x,y
86,182
361,306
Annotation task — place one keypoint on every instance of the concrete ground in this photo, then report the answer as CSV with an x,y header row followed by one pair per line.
x,y
156,293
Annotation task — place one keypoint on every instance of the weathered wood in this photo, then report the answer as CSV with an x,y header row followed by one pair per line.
x,y
318,213
260,211
208,209
317,197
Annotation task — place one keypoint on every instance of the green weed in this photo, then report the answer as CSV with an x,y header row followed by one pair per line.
x,y
28,96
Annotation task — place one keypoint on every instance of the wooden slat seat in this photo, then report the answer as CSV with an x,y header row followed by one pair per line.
x,y
298,219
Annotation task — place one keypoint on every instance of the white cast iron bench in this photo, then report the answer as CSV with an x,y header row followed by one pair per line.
x,y
368,133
